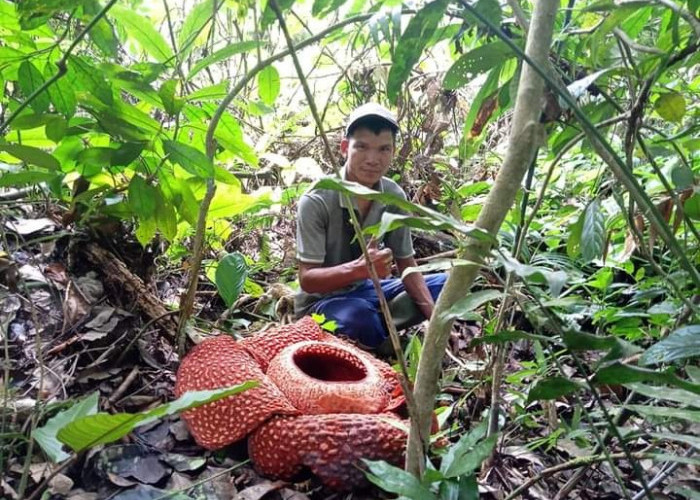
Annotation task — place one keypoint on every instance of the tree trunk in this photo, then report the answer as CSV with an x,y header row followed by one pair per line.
x,y
526,133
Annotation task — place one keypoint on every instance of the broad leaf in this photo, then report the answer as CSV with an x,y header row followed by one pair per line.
x,y
411,44
553,388
213,92
665,393
61,94
593,232
268,85
471,301
195,22
166,218
46,436
105,428
16,179
32,156
535,274
680,344
146,229
692,206
475,62
620,373
463,446
321,8
231,273
666,412
189,158
89,79
31,79
681,438
220,55
671,106
142,197
353,188
144,32
470,461
395,480
230,134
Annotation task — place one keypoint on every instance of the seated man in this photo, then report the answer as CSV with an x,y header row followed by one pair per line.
x,y
333,274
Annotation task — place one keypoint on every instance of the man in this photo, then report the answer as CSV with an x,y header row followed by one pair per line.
x,y
333,274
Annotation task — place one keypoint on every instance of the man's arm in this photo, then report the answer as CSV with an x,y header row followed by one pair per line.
x,y
416,287
313,278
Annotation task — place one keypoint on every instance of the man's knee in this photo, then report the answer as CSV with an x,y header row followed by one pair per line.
x,y
357,319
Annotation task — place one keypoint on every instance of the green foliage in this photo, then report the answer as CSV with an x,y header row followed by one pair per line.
x,y
418,33
680,344
231,273
102,428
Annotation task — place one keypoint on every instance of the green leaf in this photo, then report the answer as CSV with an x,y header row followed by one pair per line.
x,y
691,206
172,104
468,462
268,85
395,480
189,158
210,93
89,79
671,107
620,373
665,393
681,438
220,55
321,8
593,232
30,121
682,177
666,412
535,274
142,197
231,273
194,23
410,46
353,188
144,32
101,32
230,135
464,306
30,79
16,179
56,128
573,243
460,448
552,388
61,94
105,428
507,336
166,218
46,436
680,344
31,156
475,62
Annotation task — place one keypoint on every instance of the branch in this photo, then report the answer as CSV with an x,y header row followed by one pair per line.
x,y
525,135
572,464
62,69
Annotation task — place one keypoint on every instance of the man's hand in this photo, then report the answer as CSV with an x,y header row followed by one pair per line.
x,y
383,259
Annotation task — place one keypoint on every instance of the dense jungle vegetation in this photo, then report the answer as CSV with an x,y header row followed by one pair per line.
x,y
151,156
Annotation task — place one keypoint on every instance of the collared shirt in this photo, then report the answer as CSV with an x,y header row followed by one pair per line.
x,y
325,234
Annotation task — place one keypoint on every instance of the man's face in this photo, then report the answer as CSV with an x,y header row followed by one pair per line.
x,y
368,155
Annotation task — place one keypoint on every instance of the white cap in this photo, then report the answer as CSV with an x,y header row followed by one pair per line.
x,y
371,109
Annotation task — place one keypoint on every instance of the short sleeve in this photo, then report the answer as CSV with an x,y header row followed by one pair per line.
x,y
312,221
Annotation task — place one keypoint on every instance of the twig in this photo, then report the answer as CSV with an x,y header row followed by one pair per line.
x,y
45,482
61,64
124,385
663,474
572,464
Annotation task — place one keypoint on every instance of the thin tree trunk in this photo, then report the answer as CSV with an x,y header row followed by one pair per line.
x,y
526,134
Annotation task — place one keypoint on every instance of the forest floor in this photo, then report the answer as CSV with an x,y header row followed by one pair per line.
x,y
84,311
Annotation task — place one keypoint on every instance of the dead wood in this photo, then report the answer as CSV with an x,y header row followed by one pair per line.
x,y
117,275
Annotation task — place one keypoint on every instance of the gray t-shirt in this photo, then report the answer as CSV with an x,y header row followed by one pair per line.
x,y
325,234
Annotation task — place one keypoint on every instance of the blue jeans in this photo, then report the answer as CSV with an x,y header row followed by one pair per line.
x,y
357,312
